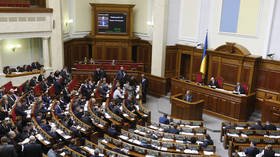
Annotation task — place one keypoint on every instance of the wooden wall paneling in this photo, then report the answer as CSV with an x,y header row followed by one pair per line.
x,y
123,52
170,61
112,49
267,85
75,50
214,68
185,50
157,85
273,81
229,73
196,61
253,63
261,81
38,3
144,53
245,75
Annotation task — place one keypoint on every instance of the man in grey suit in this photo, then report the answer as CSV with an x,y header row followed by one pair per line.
x,y
7,150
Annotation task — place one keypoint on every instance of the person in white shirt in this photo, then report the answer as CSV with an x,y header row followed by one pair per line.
x,y
117,95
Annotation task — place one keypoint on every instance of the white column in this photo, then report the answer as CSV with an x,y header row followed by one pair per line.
x,y
56,40
46,55
160,11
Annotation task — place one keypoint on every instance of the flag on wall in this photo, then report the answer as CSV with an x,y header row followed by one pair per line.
x,y
240,16
204,56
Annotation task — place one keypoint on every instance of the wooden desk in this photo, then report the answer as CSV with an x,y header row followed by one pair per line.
x,y
218,102
20,74
182,109
271,111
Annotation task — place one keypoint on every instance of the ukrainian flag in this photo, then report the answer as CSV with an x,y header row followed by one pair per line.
x,y
204,56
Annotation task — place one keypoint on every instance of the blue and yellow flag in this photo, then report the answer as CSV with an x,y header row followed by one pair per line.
x,y
204,56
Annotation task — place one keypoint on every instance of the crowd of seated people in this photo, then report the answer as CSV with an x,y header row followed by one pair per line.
x,y
24,68
19,133
71,110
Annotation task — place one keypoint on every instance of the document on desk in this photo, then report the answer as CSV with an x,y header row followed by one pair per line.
x,y
47,142
163,148
208,153
153,127
189,151
123,137
241,154
167,139
186,133
100,125
39,137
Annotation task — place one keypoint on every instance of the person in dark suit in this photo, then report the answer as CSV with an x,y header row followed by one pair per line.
x,y
64,73
40,78
32,149
3,112
96,153
46,99
44,85
19,69
45,126
36,66
257,126
112,131
188,96
30,98
20,110
78,111
98,74
116,109
58,111
121,76
33,81
51,79
66,95
268,152
26,87
129,103
5,107
269,126
11,97
164,119
7,150
213,82
7,70
86,118
2,92
252,151
144,83
207,141
239,89
57,87
173,130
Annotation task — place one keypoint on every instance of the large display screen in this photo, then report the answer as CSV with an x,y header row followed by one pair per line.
x,y
111,23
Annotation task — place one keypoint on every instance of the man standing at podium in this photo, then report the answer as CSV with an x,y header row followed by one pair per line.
x,y
188,96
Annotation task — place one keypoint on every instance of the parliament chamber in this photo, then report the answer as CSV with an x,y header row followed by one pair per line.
x,y
119,78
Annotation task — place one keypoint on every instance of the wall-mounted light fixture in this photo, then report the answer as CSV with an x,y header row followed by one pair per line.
x,y
68,22
13,47
150,23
